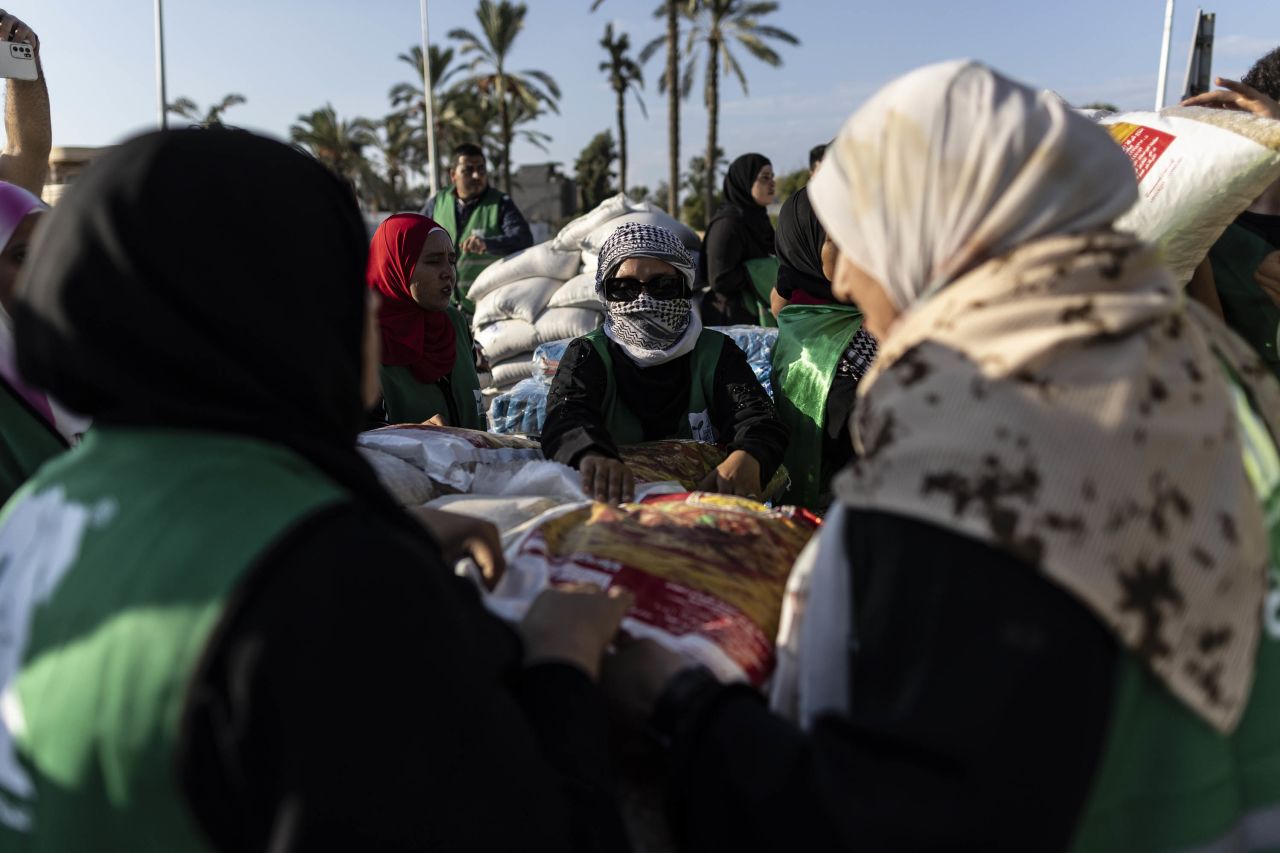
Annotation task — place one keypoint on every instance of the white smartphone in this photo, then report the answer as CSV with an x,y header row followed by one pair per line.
x,y
18,60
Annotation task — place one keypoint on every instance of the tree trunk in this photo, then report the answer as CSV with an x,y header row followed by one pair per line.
x,y
673,111
622,139
504,120
713,118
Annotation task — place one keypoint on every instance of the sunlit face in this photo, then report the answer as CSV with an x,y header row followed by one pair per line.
x,y
470,176
854,285
434,277
12,258
764,190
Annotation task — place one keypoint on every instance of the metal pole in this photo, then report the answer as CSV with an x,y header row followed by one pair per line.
x,y
1164,54
160,87
430,107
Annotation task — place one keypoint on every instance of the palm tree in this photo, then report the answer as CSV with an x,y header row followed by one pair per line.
x,y
624,74
717,24
340,144
212,117
668,82
500,23
408,96
401,145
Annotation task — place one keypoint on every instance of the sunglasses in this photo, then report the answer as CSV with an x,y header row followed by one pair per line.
x,y
659,287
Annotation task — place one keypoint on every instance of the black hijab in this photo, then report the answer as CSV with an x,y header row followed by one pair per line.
x,y
738,205
206,279
800,240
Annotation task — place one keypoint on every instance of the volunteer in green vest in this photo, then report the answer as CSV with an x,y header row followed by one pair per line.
x,y
221,633
1246,258
737,261
653,372
820,357
1042,616
426,372
484,223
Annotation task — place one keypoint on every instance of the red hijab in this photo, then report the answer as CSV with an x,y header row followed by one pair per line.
x,y
422,340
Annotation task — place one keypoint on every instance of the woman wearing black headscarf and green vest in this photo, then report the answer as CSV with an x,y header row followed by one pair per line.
x,y
737,261
653,372
221,633
821,355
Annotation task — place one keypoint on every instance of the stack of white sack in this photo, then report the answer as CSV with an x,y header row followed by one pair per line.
x,y
511,298
548,292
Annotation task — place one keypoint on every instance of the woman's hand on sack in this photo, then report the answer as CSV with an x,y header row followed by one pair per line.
x,y
1235,95
1268,276
436,420
737,475
573,624
607,480
637,674
461,536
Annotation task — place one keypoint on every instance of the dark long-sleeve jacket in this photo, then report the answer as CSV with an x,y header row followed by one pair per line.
x,y
515,230
725,248
360,697
981,698
741,411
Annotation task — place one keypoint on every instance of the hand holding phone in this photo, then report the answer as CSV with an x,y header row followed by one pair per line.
x,y
19,47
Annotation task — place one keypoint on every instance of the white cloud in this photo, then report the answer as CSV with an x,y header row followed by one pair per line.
x,y
1243,47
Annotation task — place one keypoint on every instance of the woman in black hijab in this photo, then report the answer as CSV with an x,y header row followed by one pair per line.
x,y
737,259
269,653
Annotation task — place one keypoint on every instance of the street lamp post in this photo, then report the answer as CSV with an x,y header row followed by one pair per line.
x,y
429,106
160,84
1164,55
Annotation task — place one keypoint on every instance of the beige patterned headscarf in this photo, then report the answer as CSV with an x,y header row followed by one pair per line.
x,y
1056,398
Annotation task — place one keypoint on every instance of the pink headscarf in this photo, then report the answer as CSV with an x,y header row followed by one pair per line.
x,y
16,204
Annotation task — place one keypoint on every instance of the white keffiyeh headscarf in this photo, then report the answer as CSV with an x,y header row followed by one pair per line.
x,y
650,331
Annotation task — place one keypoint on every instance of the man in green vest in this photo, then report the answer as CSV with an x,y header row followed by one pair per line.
x,y
1246,260
484,223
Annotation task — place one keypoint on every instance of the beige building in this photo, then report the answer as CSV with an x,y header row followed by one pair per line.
x,y
64,165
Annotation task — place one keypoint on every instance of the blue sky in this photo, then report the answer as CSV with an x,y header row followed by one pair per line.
x,y
292,56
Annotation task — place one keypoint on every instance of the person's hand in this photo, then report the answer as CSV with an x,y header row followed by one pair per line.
x,y
573,624
737,475
1236,96
636,675
461,536
436,420
474,244
1268,276
12,29
607,480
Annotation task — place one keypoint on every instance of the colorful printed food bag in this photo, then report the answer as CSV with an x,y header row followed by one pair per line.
x,y
708,571
1198,169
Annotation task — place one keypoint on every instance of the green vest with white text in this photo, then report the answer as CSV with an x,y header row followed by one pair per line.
x,y
116,564
484,220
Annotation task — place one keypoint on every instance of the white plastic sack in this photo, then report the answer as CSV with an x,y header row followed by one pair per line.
x,y
505,513
511,371
505,339
595,240
451,456
540,261
559,323
571,236
520,300
1198,169
590,262
407,484
577,292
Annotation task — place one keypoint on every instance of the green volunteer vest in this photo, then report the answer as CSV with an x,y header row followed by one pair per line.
x,y
27,441
624,428
119,558
811,341
1245,306
1167,781
409,401
759,299
483,219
